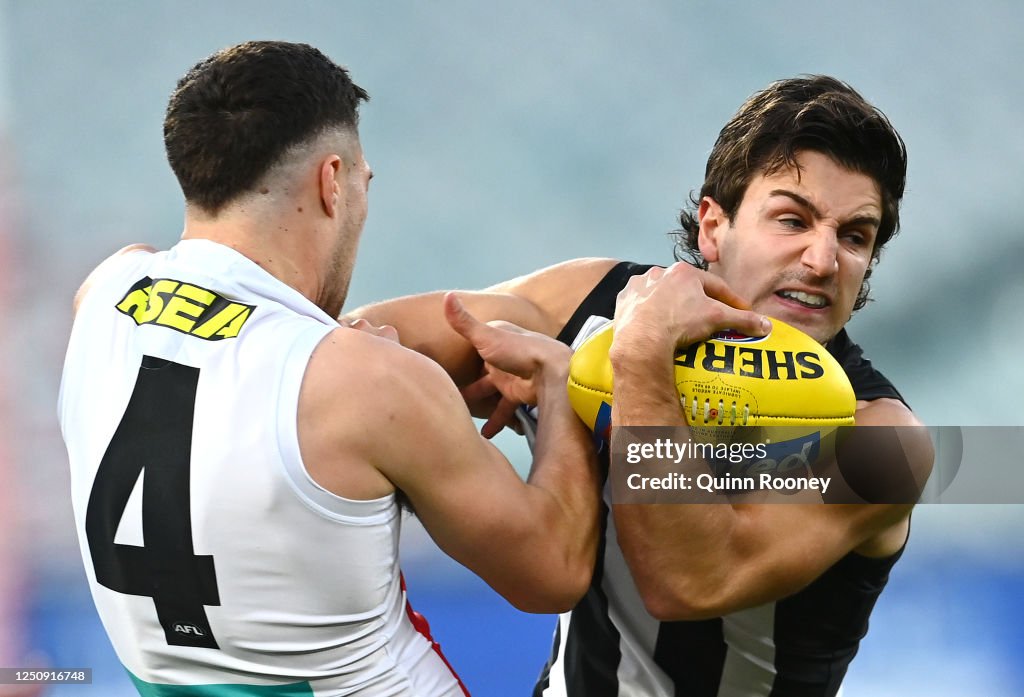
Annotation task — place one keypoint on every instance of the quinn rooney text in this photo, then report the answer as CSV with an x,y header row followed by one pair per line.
x,y
707,482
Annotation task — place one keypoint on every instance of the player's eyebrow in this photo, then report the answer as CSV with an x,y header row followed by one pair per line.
x,y
859,220
799,199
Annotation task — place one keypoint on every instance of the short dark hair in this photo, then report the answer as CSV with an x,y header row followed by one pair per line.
x,y
235,113
811,112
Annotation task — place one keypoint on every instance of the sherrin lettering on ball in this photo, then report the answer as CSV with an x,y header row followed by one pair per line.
x,y
783,379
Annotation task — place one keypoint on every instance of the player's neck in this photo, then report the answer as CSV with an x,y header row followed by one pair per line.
x,y
281,243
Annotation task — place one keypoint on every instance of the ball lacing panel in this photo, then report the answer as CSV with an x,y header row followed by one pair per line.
x,y
734,417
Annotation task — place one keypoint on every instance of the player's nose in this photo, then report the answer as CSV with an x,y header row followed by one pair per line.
x,y
821,255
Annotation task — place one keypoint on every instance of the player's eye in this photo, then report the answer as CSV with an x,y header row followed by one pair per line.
x,y
857,239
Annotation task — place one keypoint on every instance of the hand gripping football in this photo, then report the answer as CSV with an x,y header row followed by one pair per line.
x,y
783,379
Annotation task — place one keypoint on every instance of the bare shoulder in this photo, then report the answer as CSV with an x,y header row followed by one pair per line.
x,y
564,273
905,449
559,289
366,403
373,374
885,412
105,264
913,437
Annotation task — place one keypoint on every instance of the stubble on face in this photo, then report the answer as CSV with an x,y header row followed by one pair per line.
x,y
351,219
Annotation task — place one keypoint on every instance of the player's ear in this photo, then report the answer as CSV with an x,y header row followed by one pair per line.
x,y
330,189
713,222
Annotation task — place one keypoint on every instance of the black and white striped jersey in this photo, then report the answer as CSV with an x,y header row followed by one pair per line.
x,y
799,646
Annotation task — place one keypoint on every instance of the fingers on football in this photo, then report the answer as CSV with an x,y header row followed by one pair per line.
x,y
743,321
734,311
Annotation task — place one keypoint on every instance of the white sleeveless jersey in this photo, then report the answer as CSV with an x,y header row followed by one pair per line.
x,y
214,560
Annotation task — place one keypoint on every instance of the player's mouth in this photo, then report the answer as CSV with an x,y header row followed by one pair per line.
x,y
811,301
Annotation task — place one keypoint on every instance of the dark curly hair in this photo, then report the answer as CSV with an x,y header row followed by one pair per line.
x,y
810,112
234,114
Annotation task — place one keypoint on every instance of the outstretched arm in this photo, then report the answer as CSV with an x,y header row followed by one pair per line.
x,y
541,301
375,417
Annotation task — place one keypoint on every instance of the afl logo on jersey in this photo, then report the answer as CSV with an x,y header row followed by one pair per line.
x,y
187,629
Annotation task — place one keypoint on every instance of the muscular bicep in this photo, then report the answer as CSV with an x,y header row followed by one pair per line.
x,y
757,552
414,429
880,468
787,546
763,552
458,482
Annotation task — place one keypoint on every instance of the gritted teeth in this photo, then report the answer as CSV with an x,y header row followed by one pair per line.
x,y
808,299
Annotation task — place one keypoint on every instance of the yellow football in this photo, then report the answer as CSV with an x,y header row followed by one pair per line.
x,y
783,379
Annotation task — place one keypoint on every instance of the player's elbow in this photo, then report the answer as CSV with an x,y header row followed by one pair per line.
x,y
672,591
575,583
545,603
550,597
672,594
562,569
669,598
556,585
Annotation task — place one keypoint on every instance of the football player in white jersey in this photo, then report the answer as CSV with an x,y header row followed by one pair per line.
x,y
237,456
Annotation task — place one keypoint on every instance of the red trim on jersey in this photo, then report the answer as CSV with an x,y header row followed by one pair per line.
x,y
420,624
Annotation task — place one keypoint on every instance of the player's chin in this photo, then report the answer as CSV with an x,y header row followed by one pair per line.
x,y
820,326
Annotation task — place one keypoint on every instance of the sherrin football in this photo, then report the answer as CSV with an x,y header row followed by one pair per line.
x,y
783,379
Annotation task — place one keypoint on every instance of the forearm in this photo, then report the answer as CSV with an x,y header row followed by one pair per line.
x,y
421,327
680,555
565,473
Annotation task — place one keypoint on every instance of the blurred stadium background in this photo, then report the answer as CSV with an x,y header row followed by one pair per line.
x,y
505,138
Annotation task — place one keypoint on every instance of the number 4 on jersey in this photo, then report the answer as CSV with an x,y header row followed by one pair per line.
x,y
154,440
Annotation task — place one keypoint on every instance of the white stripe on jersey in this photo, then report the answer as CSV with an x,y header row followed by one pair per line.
x,y
556,678
638,631
750,659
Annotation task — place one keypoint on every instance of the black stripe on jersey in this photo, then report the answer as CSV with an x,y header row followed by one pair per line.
x,y
601,300
683,646
818,630
868,383
592,651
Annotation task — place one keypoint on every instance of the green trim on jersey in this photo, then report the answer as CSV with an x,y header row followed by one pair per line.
x,y
151,689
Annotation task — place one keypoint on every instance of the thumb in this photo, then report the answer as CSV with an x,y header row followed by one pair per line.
x,y
472,329
747,322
